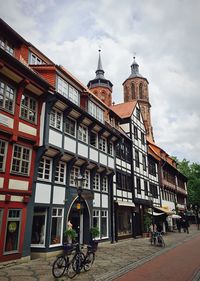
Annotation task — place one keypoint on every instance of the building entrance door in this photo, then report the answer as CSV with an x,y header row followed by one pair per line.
x,y
80,221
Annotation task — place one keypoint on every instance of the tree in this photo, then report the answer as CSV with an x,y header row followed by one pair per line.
x,y
192,172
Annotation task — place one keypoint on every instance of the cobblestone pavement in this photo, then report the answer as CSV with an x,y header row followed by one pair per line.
x,y
112,260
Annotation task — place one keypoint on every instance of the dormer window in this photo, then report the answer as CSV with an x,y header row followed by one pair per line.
x,y
6,47
36,60
95,111
68,91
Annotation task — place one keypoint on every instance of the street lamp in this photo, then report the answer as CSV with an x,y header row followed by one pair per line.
x,y
79,181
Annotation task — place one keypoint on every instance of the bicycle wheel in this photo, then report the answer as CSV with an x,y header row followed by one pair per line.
x,y
59,266
162,242
71,273
89,260
78,262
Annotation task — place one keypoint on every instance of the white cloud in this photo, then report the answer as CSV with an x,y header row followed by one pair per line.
x,y
164,35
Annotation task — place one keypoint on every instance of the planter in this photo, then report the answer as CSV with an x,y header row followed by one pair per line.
x,y
145,234
94,244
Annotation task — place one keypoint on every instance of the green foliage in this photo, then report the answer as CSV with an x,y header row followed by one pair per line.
x,y
94,231
147,222
192,172
70,233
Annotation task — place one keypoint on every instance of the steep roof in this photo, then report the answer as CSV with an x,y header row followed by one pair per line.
x,y
124,110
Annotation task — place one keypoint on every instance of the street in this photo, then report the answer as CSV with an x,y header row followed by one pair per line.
x,y
178,261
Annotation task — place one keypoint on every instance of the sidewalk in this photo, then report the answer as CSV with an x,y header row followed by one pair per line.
x,y
112,260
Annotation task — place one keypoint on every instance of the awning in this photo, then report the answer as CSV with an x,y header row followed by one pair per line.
x,y
164,210
125,203
155,214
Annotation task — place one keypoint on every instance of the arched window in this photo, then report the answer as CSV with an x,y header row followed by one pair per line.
x,y
140,91
133,91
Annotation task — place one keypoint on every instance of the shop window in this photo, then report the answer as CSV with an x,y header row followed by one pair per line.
x,y
124,222
39,227
104,224
13,231
56,226
21,160
3,150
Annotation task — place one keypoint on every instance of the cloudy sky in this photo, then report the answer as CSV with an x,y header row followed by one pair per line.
x,y
165,35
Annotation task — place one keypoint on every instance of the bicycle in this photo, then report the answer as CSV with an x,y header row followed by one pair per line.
x,y
63,264
83,261
157,239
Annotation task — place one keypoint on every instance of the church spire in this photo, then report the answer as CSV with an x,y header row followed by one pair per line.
x,y
100,86
135,69
99,72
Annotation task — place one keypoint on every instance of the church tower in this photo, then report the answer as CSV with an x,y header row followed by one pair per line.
x,y
100,86
136,88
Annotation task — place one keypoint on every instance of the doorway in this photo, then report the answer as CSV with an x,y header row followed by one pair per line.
x,y
80,221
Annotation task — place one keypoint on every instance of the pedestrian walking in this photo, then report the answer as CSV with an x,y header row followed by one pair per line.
x,y
178,224
185,223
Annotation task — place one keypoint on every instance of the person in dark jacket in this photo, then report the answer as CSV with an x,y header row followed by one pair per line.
x,y
178,224
185,224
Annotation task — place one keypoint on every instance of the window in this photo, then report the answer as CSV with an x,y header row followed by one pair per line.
x,y
73,175
6,46
44,170
135,132
7,97
36,60
70,126
105,184
82,133
146,188
102,144
3,150
153,190
129,182
133,91
56,226
93,139
29,108
67,91
60,172
13,231
152,167
21,160
55,119
104,223
138,185
96,182
144,162
96,219
95,111
142,138
1,218
141,91
138,113
110,148
137,161
39,227
86,183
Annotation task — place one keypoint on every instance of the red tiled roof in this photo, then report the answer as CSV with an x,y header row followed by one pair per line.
x,y
125,109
